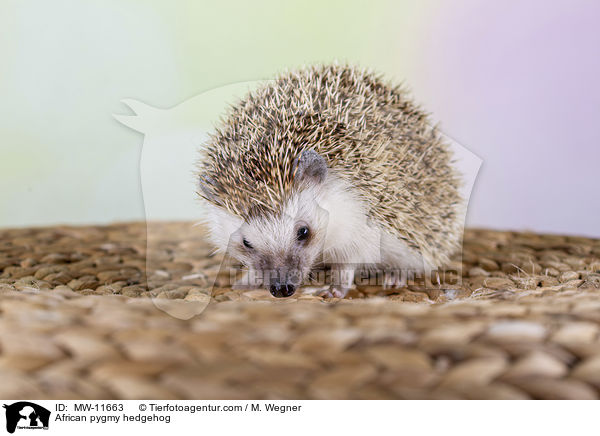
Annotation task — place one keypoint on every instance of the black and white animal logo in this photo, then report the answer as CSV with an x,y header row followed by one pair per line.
x,y
26,415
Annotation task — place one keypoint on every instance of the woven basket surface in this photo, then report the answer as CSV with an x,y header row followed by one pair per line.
x,y
76,322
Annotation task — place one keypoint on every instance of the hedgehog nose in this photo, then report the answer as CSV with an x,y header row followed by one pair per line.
x,y
281,291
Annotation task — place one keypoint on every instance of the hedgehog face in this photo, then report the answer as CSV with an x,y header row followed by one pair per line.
x,y
280,250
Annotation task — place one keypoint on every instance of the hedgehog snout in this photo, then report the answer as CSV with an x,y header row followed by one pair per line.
x,y
281,291
283,283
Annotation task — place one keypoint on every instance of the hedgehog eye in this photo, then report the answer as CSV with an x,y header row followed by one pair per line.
x,y
302,233
247,244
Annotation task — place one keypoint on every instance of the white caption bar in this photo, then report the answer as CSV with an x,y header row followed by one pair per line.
x,y
45,418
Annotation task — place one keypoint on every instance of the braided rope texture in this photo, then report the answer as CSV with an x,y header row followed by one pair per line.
x,y
76,323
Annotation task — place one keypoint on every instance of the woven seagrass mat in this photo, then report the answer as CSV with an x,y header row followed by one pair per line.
x,y
76,323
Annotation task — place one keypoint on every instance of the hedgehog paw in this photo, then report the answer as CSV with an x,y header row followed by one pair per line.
x,y
334,292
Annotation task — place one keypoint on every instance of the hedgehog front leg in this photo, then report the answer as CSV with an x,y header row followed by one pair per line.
x,y
342,280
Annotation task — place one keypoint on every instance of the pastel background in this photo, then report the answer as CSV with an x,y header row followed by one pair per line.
x,y
516,82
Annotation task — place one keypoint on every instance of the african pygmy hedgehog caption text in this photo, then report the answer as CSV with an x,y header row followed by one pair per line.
x,y
68,417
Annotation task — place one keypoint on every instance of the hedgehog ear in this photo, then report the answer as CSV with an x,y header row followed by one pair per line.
x,y
310,165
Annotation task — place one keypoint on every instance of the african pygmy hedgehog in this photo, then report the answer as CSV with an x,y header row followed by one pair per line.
x,y
329,165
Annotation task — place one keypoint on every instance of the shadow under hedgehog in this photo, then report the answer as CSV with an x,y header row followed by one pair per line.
x,y
330,164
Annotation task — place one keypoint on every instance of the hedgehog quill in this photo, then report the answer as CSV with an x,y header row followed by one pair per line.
x,y
329,166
